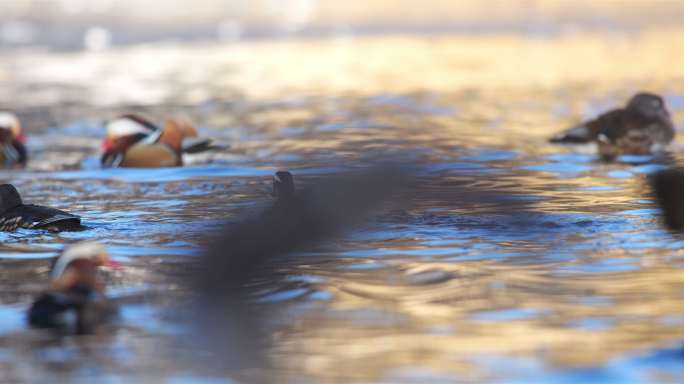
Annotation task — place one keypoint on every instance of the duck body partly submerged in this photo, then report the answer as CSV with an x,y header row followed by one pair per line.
x,y
643,127
147,155
134,142
76,300
15,214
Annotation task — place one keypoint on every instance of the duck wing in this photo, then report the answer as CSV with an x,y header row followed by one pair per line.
x,y
37,216
202,144
588,131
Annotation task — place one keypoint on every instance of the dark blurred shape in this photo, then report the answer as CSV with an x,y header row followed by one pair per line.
x,y
252,249
247,248
637,129
668,186
312,215
283,186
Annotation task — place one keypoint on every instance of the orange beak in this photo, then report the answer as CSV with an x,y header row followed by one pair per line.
x,y
113,265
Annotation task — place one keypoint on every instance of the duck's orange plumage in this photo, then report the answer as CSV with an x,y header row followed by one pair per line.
x,y
132,141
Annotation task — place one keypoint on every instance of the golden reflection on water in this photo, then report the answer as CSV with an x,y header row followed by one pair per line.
x,y
586,278
433,326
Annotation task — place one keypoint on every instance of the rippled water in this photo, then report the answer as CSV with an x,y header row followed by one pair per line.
x,y
585,286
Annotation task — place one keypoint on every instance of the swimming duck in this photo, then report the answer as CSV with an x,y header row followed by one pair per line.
x,y
75,300
640,128
15,214
13,152
283,186
134,141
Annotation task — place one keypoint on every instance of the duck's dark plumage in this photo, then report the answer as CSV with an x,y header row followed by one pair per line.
x,y
635,129
194,145
13,154
668,188
283,185
36,216
52,309
15,214
79,309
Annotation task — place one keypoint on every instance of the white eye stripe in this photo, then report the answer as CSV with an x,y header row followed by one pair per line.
x,y
276,178
8,120
125,127
84,250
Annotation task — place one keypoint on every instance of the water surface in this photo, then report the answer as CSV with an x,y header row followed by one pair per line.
x,y
585,286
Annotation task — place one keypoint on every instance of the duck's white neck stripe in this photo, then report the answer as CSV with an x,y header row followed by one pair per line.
x,y
153,137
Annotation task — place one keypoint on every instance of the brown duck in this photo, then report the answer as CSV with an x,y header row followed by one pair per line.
x,y
133,141
75,302
641,128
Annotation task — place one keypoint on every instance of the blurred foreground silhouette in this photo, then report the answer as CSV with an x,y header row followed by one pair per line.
x,y
248,248
668,186
252,248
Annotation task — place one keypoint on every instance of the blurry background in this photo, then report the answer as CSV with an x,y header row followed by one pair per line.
x,y
96,24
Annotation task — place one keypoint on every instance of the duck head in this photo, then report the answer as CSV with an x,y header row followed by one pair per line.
x,y
127,130
9,197
10,128
648,105
77,265
283,185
